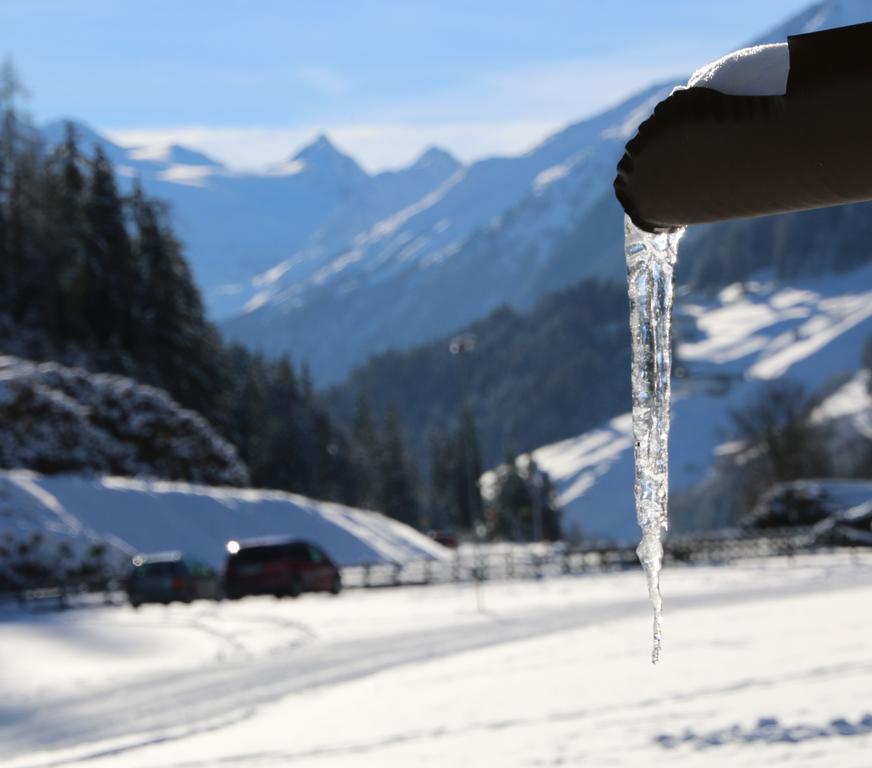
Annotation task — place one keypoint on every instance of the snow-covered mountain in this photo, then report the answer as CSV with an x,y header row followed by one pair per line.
x,y
811,332
504,230
242,231
318,258
822,15
489,235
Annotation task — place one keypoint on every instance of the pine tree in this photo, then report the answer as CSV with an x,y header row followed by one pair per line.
x,y
455,468
546,515
248,412
468,471
364,451
282,467
174,341
110,277
442,511
396,480
65,249
22,250
12,262
512,513
523,506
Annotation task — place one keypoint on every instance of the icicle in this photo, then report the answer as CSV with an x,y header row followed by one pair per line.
x,y
650,259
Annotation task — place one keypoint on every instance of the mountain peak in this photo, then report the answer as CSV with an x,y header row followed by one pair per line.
x,y
176,154
54,132
828,14
436,157
322,156
319,148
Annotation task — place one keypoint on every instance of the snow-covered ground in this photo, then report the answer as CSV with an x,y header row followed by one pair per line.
x,y
198,520
765,663
809,332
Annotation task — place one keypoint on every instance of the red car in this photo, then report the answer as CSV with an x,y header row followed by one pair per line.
x,y
445,538
278,567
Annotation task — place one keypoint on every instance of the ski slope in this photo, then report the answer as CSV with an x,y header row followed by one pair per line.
x,y
809,332
554,672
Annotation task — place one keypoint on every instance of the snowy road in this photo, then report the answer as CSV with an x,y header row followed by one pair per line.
x,y
410,673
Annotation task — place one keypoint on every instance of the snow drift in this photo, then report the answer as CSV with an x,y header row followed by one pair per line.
x,y
148,516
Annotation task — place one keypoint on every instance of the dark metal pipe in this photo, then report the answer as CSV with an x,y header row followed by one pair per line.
x,y
706,156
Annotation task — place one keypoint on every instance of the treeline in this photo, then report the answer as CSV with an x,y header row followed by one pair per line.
x,y
516,501
91,277
505,385
816,242
527,380
94,277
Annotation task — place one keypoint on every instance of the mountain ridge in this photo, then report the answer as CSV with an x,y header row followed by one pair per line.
x,y
407,266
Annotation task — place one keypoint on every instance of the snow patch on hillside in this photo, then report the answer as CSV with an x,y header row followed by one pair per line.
x,y
809,332
193,175
852,402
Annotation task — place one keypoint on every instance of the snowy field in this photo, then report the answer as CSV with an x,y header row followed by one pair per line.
x,y
765,663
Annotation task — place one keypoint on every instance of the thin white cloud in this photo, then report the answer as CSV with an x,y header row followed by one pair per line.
x,y
493,113
323,80
376,146
560,90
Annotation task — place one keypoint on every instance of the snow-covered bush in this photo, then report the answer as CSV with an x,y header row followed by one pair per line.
x,y
806,502
59,419
41,545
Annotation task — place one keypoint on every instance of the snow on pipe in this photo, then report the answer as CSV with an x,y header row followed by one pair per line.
x,y
765,130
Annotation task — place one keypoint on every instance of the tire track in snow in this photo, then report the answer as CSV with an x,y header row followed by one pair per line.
x,y
145,712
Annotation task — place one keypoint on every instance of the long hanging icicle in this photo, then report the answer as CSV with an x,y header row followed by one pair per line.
x,y
650,261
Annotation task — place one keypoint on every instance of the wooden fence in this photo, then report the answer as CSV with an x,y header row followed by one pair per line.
x,y
488,562
495,562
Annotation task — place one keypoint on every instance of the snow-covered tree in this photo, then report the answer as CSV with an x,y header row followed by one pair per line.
x,y
59,419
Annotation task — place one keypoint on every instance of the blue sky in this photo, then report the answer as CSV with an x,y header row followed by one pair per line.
x,y
250,81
